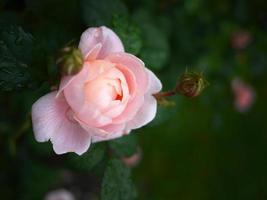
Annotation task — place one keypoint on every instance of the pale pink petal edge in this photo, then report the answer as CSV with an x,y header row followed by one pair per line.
x,y
50,123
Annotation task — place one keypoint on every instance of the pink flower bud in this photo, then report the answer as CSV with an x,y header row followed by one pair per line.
x,y
240,39
60,194
133,160
244,95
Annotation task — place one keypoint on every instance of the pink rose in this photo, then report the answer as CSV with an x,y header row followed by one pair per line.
x,y
133,160
109,97
244,95
60,194
240,39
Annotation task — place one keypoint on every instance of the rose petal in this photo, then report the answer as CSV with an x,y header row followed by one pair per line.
x,y
113,131
71,137
130,110
116,107
73,89
91,116
66,80
144,115
106,37
148,110
105,132
154,85
93,53
50,121
136,66
129,77
75,93
103,90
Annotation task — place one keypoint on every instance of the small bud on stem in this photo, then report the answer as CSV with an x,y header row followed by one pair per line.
x,y
190,84
70,61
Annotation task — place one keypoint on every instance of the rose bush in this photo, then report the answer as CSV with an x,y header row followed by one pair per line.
x,y
110,96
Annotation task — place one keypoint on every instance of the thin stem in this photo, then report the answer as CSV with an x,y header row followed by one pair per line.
x,y
160,95
22,129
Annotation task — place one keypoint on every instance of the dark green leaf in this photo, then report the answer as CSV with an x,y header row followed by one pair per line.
x,y
129,33
100,12
155,51
19,42
13,74
116,184
124,146
89,159
15,56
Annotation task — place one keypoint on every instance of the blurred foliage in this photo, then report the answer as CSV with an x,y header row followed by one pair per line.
x,y
125,146
129,33
101,12
89,160
15,51
117,183
202,148
155,49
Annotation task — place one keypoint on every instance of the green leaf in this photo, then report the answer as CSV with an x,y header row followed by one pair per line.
x,y
129,33
124,146
100,12
88,160
155,51
116,184
15,56
18,42
13,74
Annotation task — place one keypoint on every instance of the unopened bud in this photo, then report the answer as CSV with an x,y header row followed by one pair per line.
x,y
191,84
70,61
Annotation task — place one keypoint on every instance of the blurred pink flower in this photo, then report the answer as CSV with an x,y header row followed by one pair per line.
x,y
60,194
244,95
240,39
110,96
133,160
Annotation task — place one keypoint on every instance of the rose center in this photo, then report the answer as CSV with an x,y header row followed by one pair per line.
x,y
102,91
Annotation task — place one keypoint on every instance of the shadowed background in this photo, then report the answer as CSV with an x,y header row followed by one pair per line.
x,y
201,148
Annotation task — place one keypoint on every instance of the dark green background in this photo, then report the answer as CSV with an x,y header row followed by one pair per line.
x,y
200,149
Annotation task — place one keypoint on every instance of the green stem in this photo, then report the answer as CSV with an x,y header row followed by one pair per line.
x,y
22,129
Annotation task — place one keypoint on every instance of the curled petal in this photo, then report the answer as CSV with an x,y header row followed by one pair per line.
x,y
65,81
93,53
144,115
51,121
136,66
73,89
91,116
71,138
103,133
112,131
148,110
154,85
106,37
